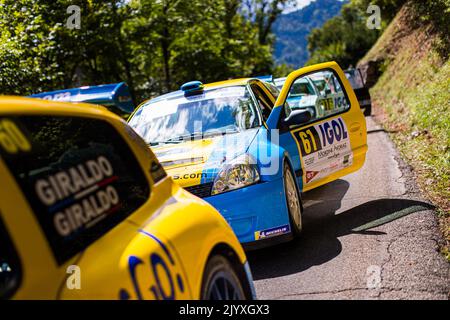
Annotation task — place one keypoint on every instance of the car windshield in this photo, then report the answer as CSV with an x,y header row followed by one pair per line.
x,y
213,112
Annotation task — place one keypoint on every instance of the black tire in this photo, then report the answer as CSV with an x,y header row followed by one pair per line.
x,y
291,192
220,281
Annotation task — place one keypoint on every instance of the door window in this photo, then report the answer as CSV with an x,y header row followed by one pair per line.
x,y
355,79
264,102
320,93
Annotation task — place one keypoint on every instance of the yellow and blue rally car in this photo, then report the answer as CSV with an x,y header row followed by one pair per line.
x,y
242,147
87,212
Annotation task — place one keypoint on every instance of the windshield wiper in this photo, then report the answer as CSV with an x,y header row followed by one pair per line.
x,y
157,143
193,136
185,137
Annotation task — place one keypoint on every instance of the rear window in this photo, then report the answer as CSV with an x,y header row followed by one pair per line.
x,y
355,79
10,272
78,175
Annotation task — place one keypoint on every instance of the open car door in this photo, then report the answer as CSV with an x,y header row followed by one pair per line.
x,y
327,146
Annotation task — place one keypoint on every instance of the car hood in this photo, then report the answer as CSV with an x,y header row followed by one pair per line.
x,y
199,161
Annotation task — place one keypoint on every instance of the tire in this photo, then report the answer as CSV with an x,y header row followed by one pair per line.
x,y
293,201
220,281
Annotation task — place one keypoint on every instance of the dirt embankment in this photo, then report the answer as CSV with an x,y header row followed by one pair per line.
x,y
404,33
408,70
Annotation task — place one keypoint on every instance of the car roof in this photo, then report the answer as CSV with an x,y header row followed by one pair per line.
x,y
12,105
228,83
208,86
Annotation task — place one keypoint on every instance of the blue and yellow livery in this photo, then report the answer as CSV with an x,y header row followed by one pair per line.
x,y
239,145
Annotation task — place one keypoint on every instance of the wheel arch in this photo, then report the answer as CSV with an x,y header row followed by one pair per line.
x,y
288,162
227,252
287,159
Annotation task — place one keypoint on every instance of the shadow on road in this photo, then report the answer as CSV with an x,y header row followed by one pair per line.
x,y
381,130
319,242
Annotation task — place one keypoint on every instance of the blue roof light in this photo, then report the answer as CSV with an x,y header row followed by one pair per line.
x,y
115,95
192,88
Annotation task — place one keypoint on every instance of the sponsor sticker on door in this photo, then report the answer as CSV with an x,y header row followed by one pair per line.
x,y
325,148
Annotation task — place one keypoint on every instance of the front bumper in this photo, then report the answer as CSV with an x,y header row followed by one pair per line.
x,y
255,213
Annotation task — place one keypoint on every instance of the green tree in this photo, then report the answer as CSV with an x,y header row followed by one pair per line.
x,y
175,41
38,52
153,45
263,14
344,38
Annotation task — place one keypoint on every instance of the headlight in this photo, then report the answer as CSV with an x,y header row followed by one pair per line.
x,y
238,173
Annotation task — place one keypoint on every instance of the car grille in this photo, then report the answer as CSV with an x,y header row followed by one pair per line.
x,y
201,190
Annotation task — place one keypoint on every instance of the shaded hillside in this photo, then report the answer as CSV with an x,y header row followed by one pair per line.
x,y
410,69
291,30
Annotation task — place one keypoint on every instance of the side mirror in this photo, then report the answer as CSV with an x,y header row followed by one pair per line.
x,y
298,117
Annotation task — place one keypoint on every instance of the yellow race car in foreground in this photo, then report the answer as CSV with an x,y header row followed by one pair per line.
x,y
87,212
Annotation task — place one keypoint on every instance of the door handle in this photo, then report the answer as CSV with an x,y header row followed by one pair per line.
x,y
355,127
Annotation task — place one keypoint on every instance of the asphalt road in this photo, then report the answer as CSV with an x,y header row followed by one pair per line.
x,y
369,235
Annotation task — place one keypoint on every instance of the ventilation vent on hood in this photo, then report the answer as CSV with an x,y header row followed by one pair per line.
x,y
201,190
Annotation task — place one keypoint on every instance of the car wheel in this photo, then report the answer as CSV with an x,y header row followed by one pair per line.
x,y
220,281
293,201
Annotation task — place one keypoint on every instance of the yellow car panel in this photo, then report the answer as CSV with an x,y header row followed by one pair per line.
x,y
157,251
353,119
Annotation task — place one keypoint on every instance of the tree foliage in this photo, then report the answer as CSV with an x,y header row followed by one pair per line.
x,y
153,45
346,38
264,13
436,12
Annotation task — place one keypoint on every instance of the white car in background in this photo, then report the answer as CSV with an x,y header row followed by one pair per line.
x,y
304,95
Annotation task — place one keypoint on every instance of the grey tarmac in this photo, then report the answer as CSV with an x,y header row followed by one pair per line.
x,y
369,235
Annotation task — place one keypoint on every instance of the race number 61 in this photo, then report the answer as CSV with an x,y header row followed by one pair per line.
x,y
12,140
308,141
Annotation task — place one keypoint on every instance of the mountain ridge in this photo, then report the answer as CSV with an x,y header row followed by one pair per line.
x,y
292,29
